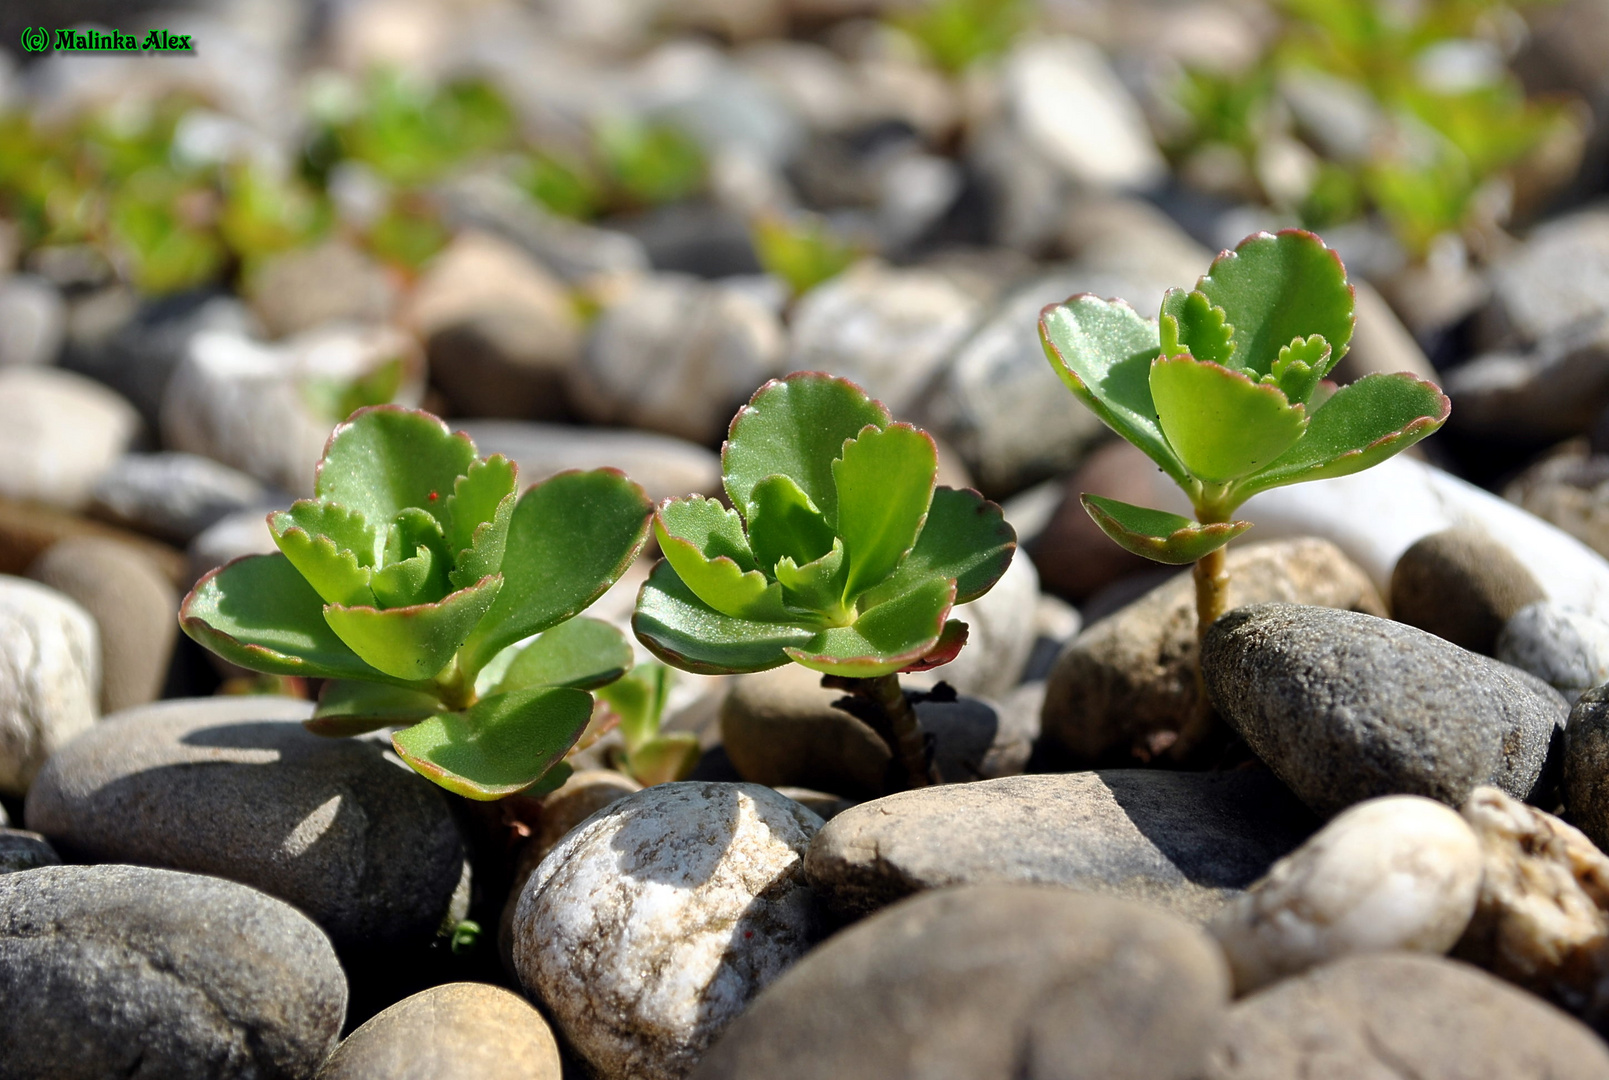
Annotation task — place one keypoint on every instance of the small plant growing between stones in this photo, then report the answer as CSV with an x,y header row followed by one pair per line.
x,y
1225,391
638,700
411,583
841,555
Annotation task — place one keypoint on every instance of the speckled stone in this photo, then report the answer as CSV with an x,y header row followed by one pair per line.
x,y
1586,765
23,850
50,677
1568,650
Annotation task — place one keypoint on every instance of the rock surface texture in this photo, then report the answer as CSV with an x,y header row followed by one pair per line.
x,y
50,677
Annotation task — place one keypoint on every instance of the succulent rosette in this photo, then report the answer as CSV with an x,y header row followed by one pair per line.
x,y
840,553
417,580
1226,390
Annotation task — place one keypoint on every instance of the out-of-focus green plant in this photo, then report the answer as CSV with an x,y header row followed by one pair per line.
x,y
802,251
411,132
648,163
638,699
955,34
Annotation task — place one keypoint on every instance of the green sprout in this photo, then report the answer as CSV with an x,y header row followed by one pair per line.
x,y
646,163
841,554
803,252
413,582
638,699
1225,391
955,34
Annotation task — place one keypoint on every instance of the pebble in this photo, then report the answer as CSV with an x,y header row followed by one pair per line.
x,y
664,466
174,496
1401,1015
130,971
1463,585
33,321
237,788
1568,488
1393,874
1122,690
989,982
501,331
1542,917
651,928
28,530
24,850
1539,393
1568,650
244,532
134,606
50,679
1586,765
1183,841
303,288
456,1031
1554,282
1345,707
678,356
58,433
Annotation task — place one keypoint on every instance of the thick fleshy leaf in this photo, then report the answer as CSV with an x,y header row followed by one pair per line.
x,y
384,458
347,707
664,759
260,613
417,563
414,642
347,529
1103,351
333,571
1360,425
947,648
890,636
1276,287
816,587
720,582
571,537
683,631
499,745
477,526
710,527
785,524
1158,535
965,539
1191,323
580,653
885,483
795,427
1299,368
1222,424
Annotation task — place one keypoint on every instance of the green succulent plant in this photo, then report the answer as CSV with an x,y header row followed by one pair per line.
x,y
638,700
803,252
841,553
412,582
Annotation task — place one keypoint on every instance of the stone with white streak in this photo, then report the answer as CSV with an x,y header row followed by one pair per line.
x,y
50,679
654,924
1396,873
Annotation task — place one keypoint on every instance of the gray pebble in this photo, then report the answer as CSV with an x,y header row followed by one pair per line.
x,y
23,850
174,495
1568,650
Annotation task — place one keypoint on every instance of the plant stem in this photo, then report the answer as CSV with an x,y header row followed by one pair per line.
x,y
1212,600
900,730
454,688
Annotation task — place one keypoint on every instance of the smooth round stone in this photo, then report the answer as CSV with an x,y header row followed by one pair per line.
x,y
173,495
995,982
1586,765
244,532
236,787
1345,707
32,321
664,466
1392,874
1568,650
133,603
306,287
50,677
1400,1015
23,850
129,971
457,1031
58,433
1461,584
651,927
1185,841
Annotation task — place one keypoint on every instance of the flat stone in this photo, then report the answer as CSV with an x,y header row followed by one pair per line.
x,y
651,927
1400,1015
175,496
50,677
1392,874
58,433
129,971
1123,689
664,466
23,850
1568,650
989,982
237,788
1345,707
1461,584
1184,841
456,1031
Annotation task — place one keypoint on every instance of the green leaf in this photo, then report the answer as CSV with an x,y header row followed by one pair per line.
x,y
1299,367
1276,287
1157,535
817,587
721,583
333,571
345,528
260,613
965,538
638,699
1222,424
947,648
1103,351
795,427
571,537
478,513
1191,323
498,746
414,642
785,524
347,707
664,759
580,653
888,637
683,631
1360,425
416,562
710,527
385,458
885,483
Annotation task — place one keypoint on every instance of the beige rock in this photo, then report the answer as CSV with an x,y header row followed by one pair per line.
x,y
58,433
301,289
1396,873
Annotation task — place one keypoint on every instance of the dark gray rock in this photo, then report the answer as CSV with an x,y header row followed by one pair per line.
x,y
236,787
1399,1015
1345,707
175,496
998,982
23,850
1184,841
1586,765
129,971
1461,584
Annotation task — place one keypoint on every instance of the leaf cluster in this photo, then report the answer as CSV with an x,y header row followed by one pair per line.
x,y
956,34
802,251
